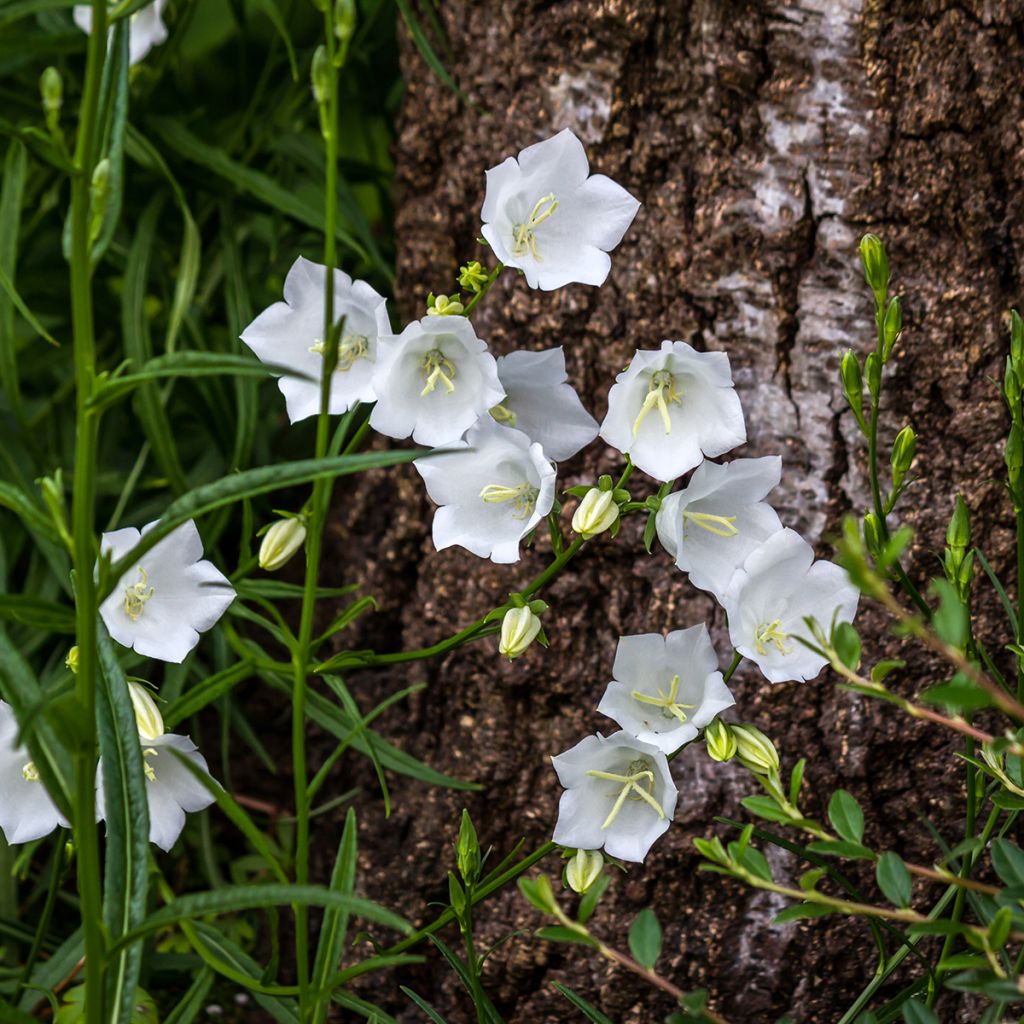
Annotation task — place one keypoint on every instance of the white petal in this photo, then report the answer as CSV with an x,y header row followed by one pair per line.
x,y
559,161
501,180
604,211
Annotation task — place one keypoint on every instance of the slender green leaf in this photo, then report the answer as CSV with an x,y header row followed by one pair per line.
x,y
209,690
1008,860
432,1015
12,190
588,1011
19,304
915,1012
37,613
193,1001
645,938
801,910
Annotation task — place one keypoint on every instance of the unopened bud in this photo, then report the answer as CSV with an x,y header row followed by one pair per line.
x,y
596,513
71,661
51,88
472,276
853,384
99,193
1014,456
875,263
320,76
52,488
280,542
456,896
872,535
148,719
903,451
1011,388
720,742
467,850
584,869
873,372
958,533
755,751
344,21
444,305
1017,340
519,628
891,327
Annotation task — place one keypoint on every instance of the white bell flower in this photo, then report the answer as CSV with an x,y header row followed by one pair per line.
x,y
719,518
493,487
547,215
171,789
27,811
292,334
145,28
540,401
619,795
160,607
671,408
768,599
666,688
434,381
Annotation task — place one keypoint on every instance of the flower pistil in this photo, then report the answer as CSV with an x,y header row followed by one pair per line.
x,y
436,366
523,498
136,596
524,238
670,707
771,633
637,784
721,526
660,393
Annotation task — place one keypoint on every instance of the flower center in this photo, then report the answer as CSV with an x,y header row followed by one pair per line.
x,y
146,766
30,773
436,366
771,633
523,498
524,239
660,393
721,526
136,596
670,707
637,784
351,348
504,415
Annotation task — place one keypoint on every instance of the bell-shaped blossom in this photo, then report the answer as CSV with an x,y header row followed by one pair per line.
x,y
292,334
540,401
778,587
547,215
666,688
434,381
619,795
719,518
160,606
493,487
27,811
171,789
145,29
671,408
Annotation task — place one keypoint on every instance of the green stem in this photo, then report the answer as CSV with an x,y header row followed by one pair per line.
x,y
1020,599
484,289
733,665
86,834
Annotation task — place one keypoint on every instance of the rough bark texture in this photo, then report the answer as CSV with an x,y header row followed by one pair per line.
x,y
763,138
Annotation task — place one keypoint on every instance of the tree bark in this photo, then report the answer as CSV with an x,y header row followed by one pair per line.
x,y
763,138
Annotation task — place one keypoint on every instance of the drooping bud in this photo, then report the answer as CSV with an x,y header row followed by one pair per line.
x,y
853,384
597,512
148,719
719,741
444,305
281,541
51,88
71,661
467,850
875,262
519,628
755,751
584,869
903,451
472,276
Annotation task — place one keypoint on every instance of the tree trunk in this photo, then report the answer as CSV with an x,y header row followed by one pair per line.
x,y
763,138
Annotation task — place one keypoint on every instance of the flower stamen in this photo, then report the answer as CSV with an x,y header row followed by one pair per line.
x,y
435,367
721,526
638,784
670,707
524,239
351,348
771,633
503,415
136,596
660,393
523,498
146,766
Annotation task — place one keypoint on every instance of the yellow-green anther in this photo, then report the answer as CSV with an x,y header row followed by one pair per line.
x,y
351,348
771,633
504,415
146,766
523,498
136,596
639,784
435,366
721,526
661,392
670,706
524,240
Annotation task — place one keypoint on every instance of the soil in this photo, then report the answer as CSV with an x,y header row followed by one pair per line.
x,y
763,139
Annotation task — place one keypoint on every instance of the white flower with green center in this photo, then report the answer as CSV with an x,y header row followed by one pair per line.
x,y
673,407
719,518
619,795
540,401
293,334
146,28
434,381
494,487
547,215
665,689
778,587
161,605
171,789
27,811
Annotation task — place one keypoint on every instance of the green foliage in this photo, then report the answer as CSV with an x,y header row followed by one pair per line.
x,y
645,938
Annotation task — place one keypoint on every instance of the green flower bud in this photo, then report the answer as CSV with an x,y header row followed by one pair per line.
x,y
584,869
1014,456
99,193
51,88
443,305
873,372
467,850
853,384
892,326
456,896
903,450
875,262
472,276
958,533
519,628
344,21
320,76
1017,341
280,542
71,661
755,751
872,535
720,743
596,513
1011,388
